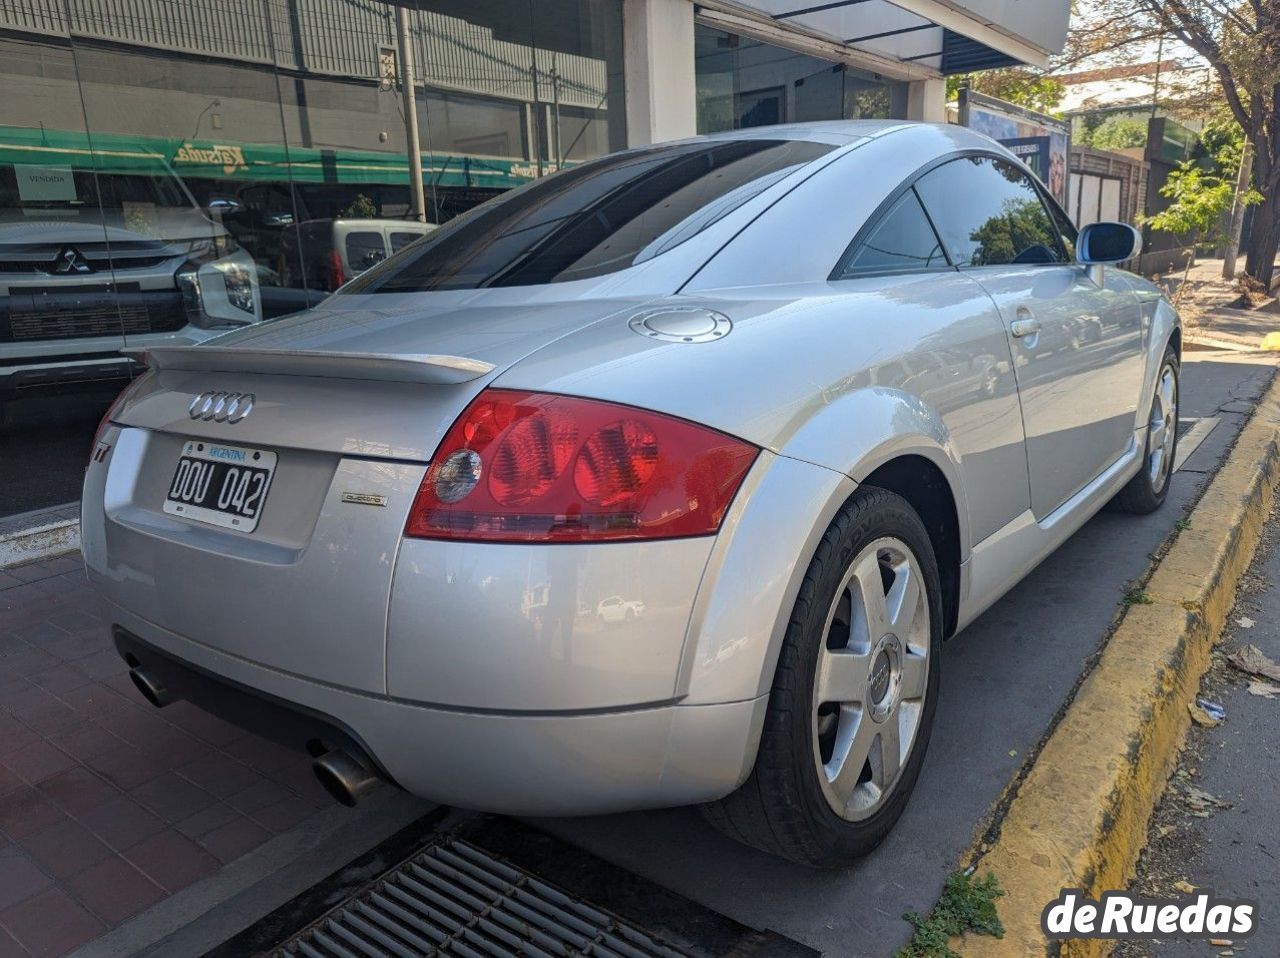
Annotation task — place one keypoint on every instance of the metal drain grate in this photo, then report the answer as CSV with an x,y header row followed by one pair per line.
x,y
456,899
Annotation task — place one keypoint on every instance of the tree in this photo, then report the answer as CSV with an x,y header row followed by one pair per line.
x,y
1116,133
1240,40
1201,200
1028,88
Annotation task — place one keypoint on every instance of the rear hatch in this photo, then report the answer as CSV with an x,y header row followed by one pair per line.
x,y
346,409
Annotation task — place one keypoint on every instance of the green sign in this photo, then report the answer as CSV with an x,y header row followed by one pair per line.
x,y
207,159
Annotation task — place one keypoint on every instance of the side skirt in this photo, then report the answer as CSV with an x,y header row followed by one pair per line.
x,y
1001,560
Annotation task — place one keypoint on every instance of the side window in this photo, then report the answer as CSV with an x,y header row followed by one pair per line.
x,y
365,249
989,213
903,240
400,240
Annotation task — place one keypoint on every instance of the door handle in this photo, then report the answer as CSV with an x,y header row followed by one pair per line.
x,y
1024,327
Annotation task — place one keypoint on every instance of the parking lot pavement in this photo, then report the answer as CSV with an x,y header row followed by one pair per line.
x,y
109,806
1228,842
1003,682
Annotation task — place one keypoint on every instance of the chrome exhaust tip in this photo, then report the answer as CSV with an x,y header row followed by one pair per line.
x,y
345,777
152,690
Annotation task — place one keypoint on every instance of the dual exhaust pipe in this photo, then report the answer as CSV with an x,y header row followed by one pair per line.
x,y
346,776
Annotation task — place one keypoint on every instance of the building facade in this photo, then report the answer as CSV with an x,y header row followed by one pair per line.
x,y
177,165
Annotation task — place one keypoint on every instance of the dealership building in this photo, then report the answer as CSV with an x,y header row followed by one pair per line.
x,y
271,137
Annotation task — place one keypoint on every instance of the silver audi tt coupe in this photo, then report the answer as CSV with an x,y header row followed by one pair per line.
x,y
658,481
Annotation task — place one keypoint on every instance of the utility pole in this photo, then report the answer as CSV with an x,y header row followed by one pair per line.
x,y
1237,211
404,41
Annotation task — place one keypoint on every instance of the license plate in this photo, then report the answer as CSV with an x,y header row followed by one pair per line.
x,y
222,485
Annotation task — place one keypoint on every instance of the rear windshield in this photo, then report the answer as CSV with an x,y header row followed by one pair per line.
x,y
592,219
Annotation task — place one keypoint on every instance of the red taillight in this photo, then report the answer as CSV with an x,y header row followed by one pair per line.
x,y
531,467
337,275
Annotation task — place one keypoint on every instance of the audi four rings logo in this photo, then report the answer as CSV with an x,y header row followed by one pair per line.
x,y
221,407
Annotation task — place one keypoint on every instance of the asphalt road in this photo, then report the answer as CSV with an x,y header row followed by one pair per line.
x,y
1003,680
1234,850
42,460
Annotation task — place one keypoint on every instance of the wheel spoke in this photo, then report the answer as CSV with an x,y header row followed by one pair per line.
x,y
915,673
1158,433
869,592
852,750
904,597
886,761
842,676
1167,394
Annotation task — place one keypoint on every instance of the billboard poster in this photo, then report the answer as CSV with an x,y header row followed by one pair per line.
x,y
1040,141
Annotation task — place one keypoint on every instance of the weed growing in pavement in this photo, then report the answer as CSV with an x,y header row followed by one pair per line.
x,y
1137,597
1183,525
966,905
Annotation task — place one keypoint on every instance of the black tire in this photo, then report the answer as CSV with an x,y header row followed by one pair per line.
x,y
781,808
1142,495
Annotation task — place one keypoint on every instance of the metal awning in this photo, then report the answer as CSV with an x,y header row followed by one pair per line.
x,y
943,37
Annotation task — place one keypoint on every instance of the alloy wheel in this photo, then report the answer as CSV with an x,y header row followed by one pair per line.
x,y
872,678
1162,429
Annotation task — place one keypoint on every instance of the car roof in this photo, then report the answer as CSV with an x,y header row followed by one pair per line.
x,y
843,132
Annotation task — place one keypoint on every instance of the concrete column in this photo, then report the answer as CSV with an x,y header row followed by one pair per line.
x,y
927,100
658,67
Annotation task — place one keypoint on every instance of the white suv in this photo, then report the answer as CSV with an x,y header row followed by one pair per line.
x,y
92,261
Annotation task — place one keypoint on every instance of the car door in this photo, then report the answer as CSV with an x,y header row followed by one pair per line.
x,y
1076,346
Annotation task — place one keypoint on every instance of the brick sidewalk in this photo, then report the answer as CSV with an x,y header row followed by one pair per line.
x,y
108,805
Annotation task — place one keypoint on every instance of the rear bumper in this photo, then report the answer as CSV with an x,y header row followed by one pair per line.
x,y
507,762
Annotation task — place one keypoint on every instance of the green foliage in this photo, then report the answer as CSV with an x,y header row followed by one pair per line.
x,y
361,208
1201,200
1026,88
1137,597
1115,133
965,905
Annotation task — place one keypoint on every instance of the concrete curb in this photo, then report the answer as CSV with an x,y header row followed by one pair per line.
x,y
39,535
1080,815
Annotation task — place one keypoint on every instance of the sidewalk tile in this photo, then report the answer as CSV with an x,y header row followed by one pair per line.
x,y
76,621
171,860
60,678
95,699
86,741
114,890
221,776
206,820
172,797
78,790
14,735
258,796
125,767
121,822
39,760
284,815
25,811
100,665
69,648
232,840
19,879
50,923
64,849
9,780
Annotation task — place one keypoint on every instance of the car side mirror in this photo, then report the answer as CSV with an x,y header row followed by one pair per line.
x,y
221,206
1103,243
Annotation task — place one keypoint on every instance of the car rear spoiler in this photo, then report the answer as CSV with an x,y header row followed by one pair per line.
x,y
410,368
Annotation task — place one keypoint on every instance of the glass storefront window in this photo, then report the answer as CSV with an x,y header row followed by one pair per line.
x,y
742,82
170,169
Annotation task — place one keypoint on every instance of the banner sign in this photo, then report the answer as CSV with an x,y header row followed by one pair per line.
x,y
1040,141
